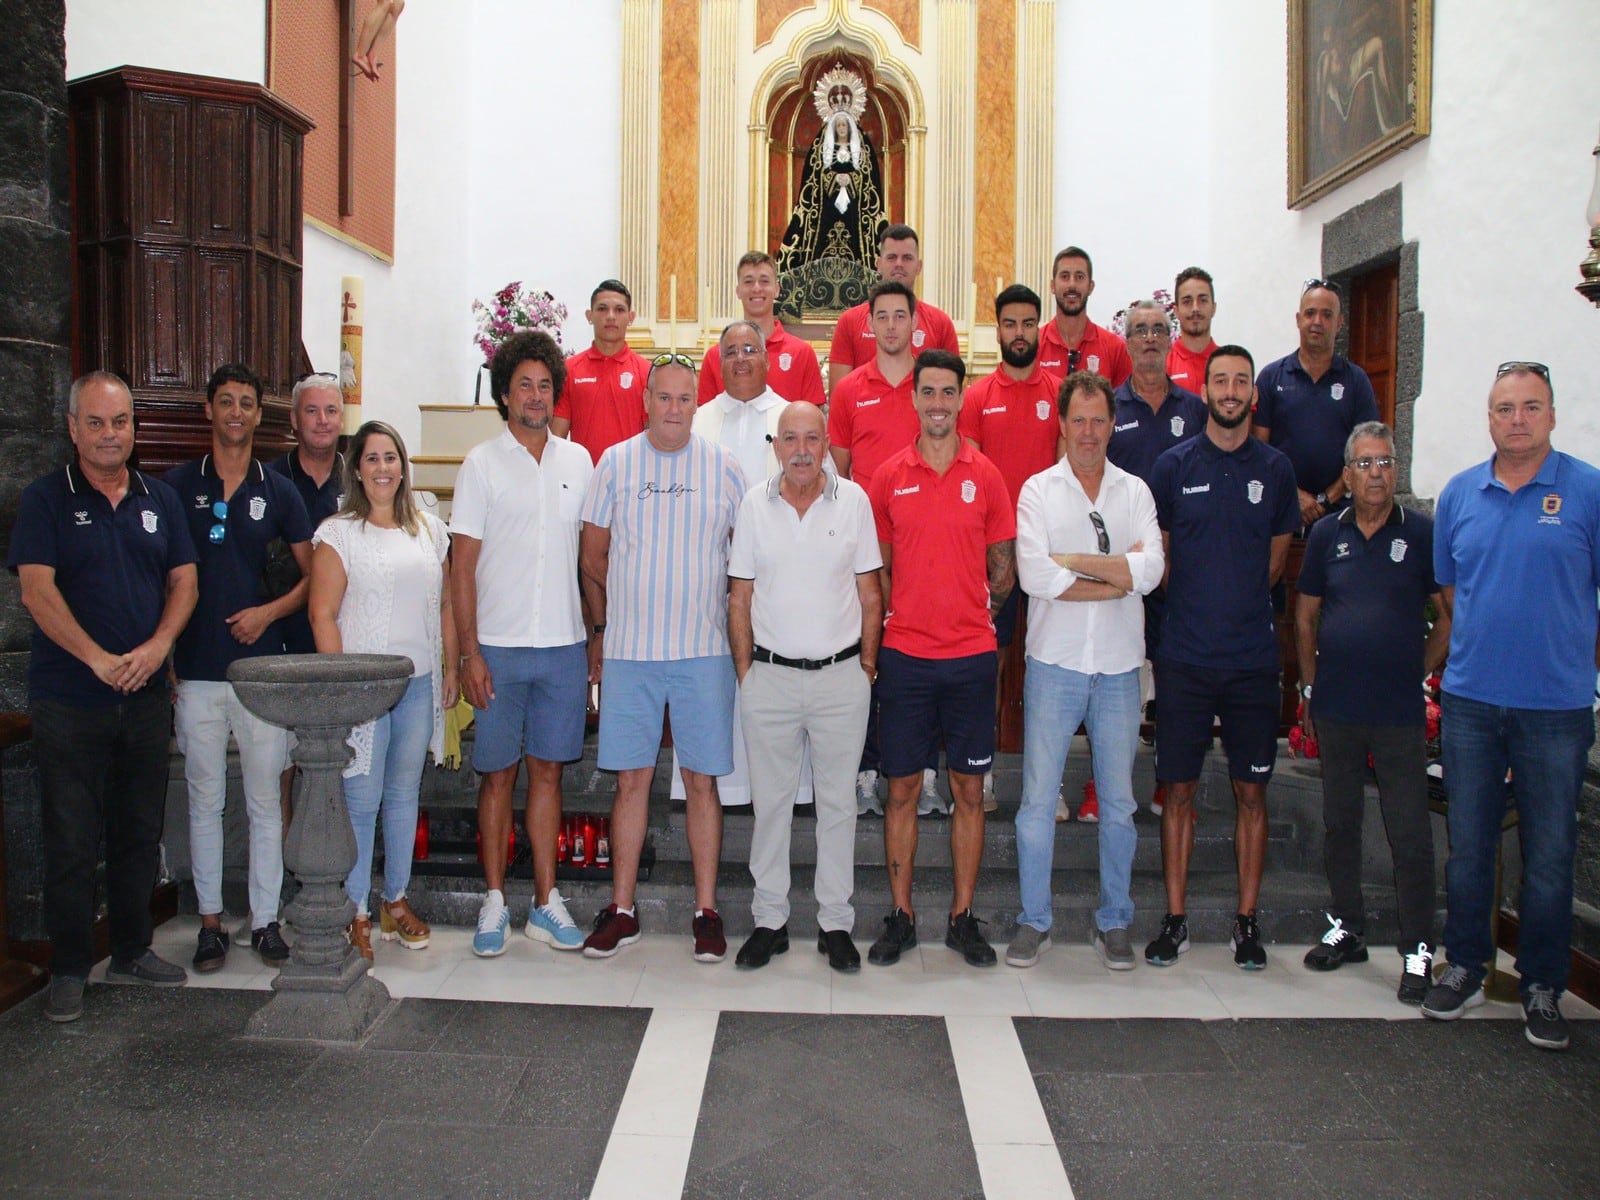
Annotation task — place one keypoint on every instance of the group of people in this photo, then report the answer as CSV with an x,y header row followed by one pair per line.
x,y
815,585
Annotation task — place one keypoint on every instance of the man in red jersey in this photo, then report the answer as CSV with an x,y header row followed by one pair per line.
x,y
947,529
1196,299
792,370
900,259
871,419
1072,342
603,401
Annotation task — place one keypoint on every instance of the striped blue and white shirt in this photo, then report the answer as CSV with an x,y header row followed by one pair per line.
x,y
670,517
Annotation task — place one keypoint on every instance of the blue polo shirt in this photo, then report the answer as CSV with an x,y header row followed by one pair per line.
x,y
111,568
1221,511
1525,566
1371,625
1140,435
321,503
266,505
1311,420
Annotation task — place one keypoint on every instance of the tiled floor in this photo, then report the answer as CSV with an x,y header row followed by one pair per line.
x,y
649,1075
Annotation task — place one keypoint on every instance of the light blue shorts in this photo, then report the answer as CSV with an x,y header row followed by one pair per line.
x,y
634,697
540,696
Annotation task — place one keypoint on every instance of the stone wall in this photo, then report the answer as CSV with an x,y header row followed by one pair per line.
x,y
35,362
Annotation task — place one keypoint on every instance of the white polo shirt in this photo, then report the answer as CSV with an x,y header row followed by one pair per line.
x,y
746,428
526,512
805,603
1092,637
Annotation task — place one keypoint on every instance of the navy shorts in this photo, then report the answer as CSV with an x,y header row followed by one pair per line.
x,y
924,700
1244,702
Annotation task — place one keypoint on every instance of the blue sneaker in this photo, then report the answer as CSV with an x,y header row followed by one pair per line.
x,y
553,925
493,923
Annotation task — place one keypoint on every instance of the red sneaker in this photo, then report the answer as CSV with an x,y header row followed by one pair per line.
x,y
612,931
709,944
1158,801
1089,810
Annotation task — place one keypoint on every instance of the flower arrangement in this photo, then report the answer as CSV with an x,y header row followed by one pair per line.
x,y
1119,323
515,309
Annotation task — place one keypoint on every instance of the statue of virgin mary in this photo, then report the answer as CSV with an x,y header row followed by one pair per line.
x,y
840,206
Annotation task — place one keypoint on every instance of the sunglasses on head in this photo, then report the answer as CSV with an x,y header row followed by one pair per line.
x,y
667,359
1510,368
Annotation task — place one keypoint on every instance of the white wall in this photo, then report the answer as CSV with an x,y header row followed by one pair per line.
x,y
418,327
545,126
1133,115
1495,197
226,38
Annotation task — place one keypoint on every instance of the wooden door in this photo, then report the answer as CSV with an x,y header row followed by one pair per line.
x,y
1374,329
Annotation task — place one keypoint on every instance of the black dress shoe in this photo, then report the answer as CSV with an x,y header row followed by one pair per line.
x,y
763,944
841,951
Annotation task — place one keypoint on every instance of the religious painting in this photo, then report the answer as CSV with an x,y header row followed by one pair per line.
x,y
1360,83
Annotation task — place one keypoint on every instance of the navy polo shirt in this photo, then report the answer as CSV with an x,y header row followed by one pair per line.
x,y
1310,421
1371,626
1140,435
1525,566
111,568
1221,511
321,503
266,505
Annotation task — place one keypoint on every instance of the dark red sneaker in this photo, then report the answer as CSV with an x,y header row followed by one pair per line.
x,y
612,931
709,944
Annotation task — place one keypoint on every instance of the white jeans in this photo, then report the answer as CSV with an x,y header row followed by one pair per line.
x,y
208,713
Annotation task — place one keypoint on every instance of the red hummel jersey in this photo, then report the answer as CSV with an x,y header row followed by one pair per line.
x,y
1100,351
1014,423
871,418
1188,370
792,369
854,343
939,530
603,398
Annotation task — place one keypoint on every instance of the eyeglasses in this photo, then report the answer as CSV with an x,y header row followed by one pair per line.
x,y
320,377
219,510
743,351
1073,356
1100,533
1326,284
1383,462
667,359
1149,331
1537,368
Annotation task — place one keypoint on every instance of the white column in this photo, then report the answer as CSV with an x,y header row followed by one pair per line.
x,y
719,244
641,140
1036,41
952,249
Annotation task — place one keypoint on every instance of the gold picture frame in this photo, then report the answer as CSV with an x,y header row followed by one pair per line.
x,y
1360,88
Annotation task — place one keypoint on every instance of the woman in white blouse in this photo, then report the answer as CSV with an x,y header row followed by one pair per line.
x,y
380,585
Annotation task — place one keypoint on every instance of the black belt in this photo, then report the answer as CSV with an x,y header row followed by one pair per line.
x,y
762,654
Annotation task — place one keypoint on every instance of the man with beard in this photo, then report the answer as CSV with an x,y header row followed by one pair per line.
x,y
899,260
1226,503
1011,416
946,529
792,370
526,655
1072,342
871,418
1153,416
602,402
1195,298
1311,399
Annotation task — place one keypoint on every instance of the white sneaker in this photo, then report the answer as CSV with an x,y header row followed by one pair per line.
x,y
990,804
1063,813
489,941
930,803
867,794
553,925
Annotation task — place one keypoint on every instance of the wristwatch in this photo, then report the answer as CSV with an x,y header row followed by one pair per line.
x,y
1305,691
1322,499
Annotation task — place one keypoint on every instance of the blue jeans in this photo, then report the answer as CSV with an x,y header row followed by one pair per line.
x,y
399,752
1546,751
1055,702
